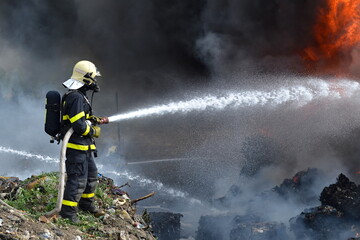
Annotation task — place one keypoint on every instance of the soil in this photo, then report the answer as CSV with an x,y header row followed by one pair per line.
x,y
120,221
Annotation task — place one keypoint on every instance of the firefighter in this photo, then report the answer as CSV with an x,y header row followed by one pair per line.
x,y
80,165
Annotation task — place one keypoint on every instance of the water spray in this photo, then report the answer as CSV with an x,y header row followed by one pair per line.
x,y
296,96
161,160
29,155
128,175
159,186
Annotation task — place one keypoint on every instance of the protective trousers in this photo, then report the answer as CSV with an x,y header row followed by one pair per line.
x,y
81,182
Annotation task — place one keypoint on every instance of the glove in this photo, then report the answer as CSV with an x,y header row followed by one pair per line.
x,y
97,131
95,120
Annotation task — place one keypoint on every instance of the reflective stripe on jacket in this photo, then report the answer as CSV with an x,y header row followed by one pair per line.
x,y
76,110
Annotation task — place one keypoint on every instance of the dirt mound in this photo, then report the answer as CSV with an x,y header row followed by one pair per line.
x,y
25,202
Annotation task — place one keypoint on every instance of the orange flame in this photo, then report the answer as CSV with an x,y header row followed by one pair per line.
x,y
337,31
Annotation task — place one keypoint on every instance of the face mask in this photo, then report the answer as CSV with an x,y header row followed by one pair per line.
x,y
94,86
91,85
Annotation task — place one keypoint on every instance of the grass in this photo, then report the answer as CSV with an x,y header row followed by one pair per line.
x,y
39,199
43,196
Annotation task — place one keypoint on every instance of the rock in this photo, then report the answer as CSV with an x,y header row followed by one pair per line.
x,y
6,237
111,210
44,219
46,234
26,236
58,232
14,218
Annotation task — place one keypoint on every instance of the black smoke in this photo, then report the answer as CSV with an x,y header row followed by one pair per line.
x,y
154,46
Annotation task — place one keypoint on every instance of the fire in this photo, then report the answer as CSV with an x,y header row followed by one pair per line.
x,y
336,33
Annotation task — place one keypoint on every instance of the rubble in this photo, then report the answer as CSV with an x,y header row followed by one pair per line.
x,y
21,214
336,218
322,222
8,186
344,195
299,187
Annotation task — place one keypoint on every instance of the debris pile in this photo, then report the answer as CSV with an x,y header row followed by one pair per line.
x,y
165,225
336,218
344,196
21,214
8,186
299,187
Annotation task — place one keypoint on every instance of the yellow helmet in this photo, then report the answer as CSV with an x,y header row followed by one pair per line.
x,y
84,73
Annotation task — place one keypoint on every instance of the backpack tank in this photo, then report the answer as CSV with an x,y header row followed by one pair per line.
x,y
52,113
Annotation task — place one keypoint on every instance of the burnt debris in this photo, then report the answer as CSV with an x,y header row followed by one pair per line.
x,y
322,222
299,187
344,195
336,218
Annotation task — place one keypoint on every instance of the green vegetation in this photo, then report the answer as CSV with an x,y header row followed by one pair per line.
x,y
38,195
39,199
101,195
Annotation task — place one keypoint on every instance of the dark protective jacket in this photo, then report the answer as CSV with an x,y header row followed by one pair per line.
x,y
76,110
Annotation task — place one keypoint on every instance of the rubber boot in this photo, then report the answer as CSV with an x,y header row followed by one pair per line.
x,y
87,205
69,213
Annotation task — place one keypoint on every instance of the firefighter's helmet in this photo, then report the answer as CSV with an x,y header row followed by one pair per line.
x,y
84,73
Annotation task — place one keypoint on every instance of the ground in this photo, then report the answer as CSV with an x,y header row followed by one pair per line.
x,y
25,203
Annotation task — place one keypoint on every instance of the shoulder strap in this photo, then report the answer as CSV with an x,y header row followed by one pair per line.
x,y
82,94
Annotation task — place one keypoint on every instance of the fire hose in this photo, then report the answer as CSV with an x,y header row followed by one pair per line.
x,y
61,186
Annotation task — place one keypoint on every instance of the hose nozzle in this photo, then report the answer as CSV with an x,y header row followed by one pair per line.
x,y
103,120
